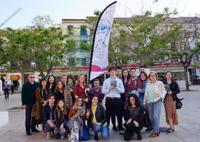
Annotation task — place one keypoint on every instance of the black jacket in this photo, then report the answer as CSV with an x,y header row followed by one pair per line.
x,y
138,118
46,112
174,88
63,118
59,95
100,115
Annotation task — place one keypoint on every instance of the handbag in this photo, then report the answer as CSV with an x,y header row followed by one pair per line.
x,y
179,104
146,119
33,111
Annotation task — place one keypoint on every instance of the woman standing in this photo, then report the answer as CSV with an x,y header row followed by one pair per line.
x,y
79,90
51,83
134,115
59,91
154,95
41,94
71,83
97,119
61,119
170,102
73,112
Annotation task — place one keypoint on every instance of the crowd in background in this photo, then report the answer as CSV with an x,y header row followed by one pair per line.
x,y
71,106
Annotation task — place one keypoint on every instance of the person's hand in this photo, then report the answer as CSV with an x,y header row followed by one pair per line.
x,y
160,99
63,130
61,127
24,106
129,121
44,103
138,90
88,89
85,100
170,93
76,115
145,106
136,123
98,123
116,89
71,90
110,88
76,96
51,125
88,113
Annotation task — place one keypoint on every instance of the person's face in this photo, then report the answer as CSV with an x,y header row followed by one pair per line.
x,y
31,78
60,85
64,79
51,79
82,78
112,72
70,80
96,84
141,69
101,36
168,75
125,73
61,104
79,102
142,77
95,101
118,72
153,77
132,100
51,100
44,83
133,73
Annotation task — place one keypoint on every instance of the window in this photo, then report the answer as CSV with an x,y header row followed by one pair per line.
x,y
71,62
84,62
70,28
83,31
85,41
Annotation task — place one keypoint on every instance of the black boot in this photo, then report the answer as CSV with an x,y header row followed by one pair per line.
x,y
28,133
96,138
139,136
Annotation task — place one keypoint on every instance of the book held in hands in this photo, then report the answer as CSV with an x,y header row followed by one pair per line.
x,y
113,83
80,110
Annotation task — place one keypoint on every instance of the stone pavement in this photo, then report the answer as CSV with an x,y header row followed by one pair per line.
x,y
188,129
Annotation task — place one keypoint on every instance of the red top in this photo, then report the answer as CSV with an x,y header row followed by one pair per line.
x,y
79,91
131,85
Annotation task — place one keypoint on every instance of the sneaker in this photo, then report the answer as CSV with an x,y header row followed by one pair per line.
x,y
44,132
115,128
48,135
170,131
121,132
139,137
96,138
28,133
149,129
62,137
91,133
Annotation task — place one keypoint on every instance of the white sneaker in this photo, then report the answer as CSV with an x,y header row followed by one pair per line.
x,y
62,137
91,133
48,135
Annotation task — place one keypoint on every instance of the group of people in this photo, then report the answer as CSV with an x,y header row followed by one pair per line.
x,y
72,107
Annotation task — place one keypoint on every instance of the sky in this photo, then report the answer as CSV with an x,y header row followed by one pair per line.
x,y
80,9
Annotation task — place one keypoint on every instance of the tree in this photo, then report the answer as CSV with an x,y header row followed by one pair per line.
x,y
183,46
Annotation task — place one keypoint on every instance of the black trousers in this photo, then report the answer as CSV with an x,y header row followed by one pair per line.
x,y
130,128
6,93
30,123
114,104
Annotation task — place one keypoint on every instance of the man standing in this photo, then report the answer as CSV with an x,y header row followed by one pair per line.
x,y
48,115
6,90
112,87
28,100
141,68
133,83
97,90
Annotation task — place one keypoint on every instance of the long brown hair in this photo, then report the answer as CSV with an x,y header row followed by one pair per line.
x,y
59,109
78,80
145,74
76,103
57,89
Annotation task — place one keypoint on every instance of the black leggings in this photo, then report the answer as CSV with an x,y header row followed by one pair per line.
x,y
130,128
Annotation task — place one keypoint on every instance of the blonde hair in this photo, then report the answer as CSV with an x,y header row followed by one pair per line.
x,y
76,104
157,77
78,80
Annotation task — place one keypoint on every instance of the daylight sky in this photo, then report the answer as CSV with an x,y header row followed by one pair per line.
x,y
80,9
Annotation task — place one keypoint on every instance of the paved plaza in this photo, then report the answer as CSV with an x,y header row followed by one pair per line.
x,y
188,129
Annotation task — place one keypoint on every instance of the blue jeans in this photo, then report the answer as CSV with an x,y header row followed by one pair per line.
x,y
141,97
86,134
104,130
60,133
154,110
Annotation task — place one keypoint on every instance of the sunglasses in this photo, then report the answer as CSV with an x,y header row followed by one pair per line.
x,y
131,99
32,77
